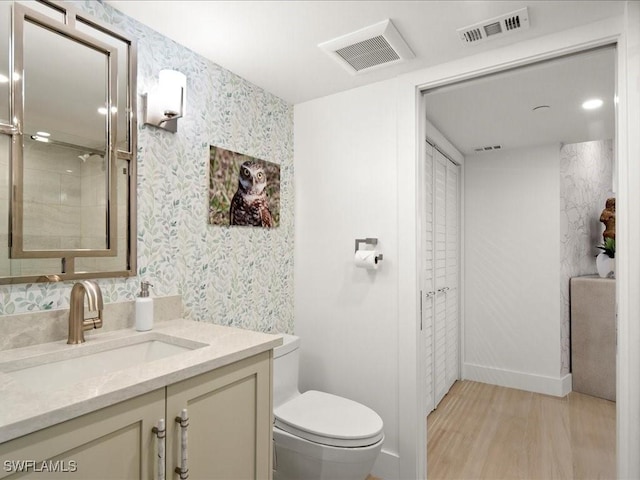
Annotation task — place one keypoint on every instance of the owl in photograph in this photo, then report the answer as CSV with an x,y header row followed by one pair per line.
x,y
249,205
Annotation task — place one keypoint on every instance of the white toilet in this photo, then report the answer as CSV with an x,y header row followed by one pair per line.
x,y
318,436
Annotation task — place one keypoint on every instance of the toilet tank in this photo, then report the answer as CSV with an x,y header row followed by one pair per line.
x,y
285,370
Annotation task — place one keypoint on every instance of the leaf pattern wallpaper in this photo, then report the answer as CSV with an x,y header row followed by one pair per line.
x,y
230,276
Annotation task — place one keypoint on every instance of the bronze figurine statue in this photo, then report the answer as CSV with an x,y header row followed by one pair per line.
x,y
608,217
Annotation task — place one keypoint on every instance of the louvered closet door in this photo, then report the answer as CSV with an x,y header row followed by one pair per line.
x,y
428,288
440,318
440,273
452,335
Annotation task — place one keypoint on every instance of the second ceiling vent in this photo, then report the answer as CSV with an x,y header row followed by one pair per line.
x,y
369,48
495,27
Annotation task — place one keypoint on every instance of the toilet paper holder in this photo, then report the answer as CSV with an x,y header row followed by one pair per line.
x,y
368,241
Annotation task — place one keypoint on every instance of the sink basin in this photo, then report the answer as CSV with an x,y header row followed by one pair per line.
x,y
50,372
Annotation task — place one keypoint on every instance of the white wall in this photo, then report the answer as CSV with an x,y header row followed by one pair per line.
x,y
512,266
405,155
345,183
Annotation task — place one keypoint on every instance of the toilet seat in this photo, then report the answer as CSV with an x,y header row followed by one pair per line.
x,y
329,420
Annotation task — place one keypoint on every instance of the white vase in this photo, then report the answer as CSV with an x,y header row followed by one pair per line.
x,y
605,265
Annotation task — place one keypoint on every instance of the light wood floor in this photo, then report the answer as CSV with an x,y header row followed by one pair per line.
x,y
482,431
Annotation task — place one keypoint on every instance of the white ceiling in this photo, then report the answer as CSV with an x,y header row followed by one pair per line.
x,y
274,44
498,109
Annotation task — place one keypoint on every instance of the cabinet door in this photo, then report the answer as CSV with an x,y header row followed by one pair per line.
x,y
112,443
230,419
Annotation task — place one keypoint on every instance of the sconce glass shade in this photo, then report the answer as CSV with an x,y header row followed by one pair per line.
x,y
164,105
172,85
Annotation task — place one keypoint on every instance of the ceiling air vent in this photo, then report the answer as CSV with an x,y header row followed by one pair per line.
x,y
499,26
369,48
488,148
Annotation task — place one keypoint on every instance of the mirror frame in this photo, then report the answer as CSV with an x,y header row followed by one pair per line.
x,y
22,15
67,28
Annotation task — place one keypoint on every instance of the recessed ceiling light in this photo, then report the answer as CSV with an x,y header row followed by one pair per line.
x,y
4,78
592,104
39,138
43,134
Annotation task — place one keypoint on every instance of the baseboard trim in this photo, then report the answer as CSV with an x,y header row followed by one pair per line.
x,y
556,386
387,466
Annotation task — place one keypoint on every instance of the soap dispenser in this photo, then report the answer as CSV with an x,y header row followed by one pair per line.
x,y
144,308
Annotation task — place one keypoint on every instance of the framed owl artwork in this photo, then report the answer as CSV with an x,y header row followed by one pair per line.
x,y
243,190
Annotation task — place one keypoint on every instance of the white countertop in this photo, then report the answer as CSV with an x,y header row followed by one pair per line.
x,y
24,410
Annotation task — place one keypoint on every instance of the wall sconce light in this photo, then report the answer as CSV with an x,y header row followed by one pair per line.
x,y
165,104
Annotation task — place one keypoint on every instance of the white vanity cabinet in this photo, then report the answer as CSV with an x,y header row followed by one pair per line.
x,y
228,433
230,420
115,442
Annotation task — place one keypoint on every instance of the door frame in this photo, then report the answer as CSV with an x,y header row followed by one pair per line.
x,y
620,31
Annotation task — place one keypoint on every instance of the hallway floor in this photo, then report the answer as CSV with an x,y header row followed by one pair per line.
x,y
483,431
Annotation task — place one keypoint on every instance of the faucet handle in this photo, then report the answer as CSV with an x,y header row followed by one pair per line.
x,y
94,295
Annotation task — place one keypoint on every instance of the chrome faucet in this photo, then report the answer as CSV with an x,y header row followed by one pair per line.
x,y
77,323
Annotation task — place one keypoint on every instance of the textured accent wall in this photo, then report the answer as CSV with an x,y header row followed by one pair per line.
x,y
585,184
233,276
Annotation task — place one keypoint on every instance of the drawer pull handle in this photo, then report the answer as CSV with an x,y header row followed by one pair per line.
x,y
161,434
183,421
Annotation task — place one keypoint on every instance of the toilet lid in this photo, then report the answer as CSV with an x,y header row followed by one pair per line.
x,y
329,420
